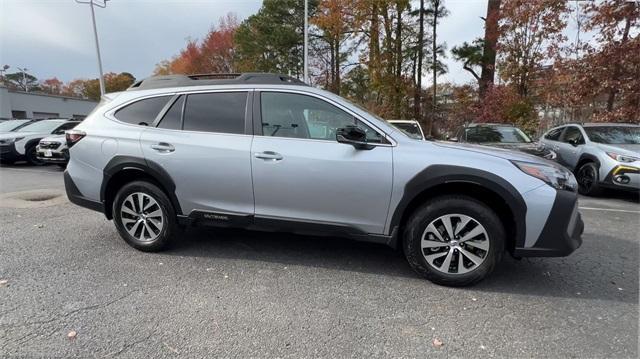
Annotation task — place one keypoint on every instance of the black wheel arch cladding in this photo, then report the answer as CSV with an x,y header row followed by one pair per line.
x,y
586,157
148,167
436,175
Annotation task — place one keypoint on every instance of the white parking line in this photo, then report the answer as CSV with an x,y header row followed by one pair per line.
x,y
608,209
26,170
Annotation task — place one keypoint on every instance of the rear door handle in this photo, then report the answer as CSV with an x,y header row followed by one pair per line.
x,y
268,155
163,147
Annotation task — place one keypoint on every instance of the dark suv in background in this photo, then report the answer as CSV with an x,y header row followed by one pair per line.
x,y
502,136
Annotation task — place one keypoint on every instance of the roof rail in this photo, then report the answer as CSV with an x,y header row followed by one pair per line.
x,y
156,82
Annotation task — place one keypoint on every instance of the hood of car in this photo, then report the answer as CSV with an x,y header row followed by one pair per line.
x,y
56,138
623,149
10,135
506,153
532,148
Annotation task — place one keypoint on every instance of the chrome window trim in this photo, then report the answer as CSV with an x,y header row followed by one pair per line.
x,y
110,113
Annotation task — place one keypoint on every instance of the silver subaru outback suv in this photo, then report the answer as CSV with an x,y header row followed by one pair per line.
x,y
267,152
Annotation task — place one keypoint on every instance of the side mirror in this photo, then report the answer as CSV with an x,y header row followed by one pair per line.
x,y
354,136
574,142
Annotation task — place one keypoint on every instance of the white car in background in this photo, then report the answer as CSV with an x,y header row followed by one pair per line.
x,y
15,124
409,127
54,150
21,144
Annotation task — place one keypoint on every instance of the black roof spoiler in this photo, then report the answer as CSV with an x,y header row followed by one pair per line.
x,y
249,78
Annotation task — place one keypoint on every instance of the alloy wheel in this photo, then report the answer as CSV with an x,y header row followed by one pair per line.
x,y
142,216
32,157
455,244
586,177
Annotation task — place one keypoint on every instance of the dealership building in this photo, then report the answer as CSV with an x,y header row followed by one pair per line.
x,y
21,104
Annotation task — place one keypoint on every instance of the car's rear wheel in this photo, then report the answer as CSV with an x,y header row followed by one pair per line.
x,y
144,216
454,240
32,157
588,179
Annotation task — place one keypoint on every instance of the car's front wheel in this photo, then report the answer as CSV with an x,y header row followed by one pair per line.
x,y
454,240
588,179
144,216
31,154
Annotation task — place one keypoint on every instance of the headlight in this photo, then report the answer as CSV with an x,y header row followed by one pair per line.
x,y
9,141
622,158
556,177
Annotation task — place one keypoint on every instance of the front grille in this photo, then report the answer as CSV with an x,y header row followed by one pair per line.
x,y
49,145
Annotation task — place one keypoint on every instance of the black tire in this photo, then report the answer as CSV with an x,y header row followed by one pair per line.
x,y
589,179
449,205
32,157
169,227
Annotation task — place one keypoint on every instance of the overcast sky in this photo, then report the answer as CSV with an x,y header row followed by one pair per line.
x,y
55,38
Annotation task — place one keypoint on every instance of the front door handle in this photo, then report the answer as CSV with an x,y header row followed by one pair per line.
x,y
163,147
268,155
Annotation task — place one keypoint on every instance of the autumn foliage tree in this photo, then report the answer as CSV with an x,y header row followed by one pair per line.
x,y
607,75
52,86
214,54
90,88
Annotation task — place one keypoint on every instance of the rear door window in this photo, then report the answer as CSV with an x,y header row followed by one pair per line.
x,y
222,112
142,112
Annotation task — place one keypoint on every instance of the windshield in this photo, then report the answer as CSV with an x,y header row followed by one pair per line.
x,y
614,135
410,129
42,126
11,125
502,134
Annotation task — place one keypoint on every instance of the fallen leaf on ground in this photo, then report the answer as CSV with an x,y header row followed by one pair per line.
x,y
171,348
437,343
72,334
3,282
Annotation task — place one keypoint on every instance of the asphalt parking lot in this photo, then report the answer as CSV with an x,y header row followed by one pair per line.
x,y
223,293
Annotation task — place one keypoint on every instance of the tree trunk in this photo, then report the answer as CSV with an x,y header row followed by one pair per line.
x,y
434,49
491,33
611,98
417,96
398,74
337,64
374,44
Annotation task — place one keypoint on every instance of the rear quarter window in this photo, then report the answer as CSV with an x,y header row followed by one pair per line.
x,y
142,112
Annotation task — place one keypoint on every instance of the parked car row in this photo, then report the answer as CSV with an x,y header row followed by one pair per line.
x,y
36,141
602,155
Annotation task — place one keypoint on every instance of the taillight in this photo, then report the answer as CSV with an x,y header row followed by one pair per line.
x,y
73,136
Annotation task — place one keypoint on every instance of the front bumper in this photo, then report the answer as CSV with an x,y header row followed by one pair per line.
x,y
623,177
562,233
9,153
57,156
